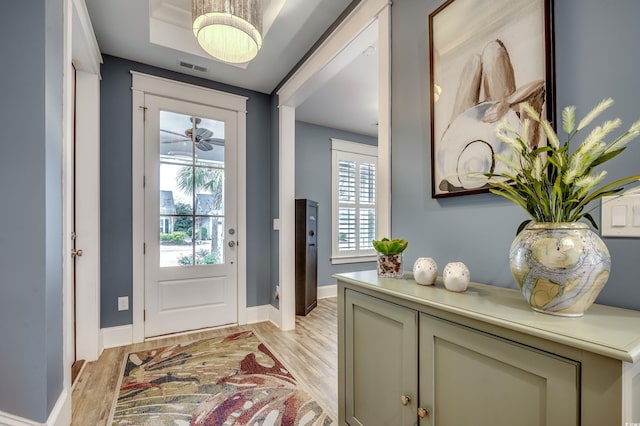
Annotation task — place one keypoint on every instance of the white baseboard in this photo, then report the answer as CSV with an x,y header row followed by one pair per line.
x,y
257,314
117,336
123,335
60,415
7,419
326,291
274,315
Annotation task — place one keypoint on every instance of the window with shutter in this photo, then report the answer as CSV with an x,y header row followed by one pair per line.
x,y
354,201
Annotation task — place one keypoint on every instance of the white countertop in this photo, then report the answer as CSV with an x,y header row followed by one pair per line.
x,y
608,331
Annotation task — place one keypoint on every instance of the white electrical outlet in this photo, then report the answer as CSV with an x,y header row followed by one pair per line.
x,y
123,303
621,216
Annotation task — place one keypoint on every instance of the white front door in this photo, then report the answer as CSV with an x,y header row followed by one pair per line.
x,y
190,216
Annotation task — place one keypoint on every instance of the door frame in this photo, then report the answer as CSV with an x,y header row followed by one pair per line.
x,y
219,278
81,51
328,59
148,84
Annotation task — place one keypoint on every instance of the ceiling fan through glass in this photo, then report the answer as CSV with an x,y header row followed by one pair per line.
x,y
200,136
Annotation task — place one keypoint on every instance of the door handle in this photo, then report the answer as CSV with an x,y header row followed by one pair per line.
x,y
405,400
423,412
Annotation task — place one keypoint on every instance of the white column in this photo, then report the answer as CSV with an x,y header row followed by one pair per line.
x,y
287,234
88,215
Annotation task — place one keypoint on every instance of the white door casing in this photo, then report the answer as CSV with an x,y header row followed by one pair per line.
x,y
181,297
81,50
144,85
328,59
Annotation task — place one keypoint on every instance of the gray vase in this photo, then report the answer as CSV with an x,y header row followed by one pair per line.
x,y
560,267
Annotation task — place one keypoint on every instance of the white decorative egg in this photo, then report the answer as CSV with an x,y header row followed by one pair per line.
x,y
425,271
456,276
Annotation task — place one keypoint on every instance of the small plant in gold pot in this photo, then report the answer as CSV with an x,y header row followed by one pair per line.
x,y
558,262
390,256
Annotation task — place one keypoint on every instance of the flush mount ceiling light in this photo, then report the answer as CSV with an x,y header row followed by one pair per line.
x,y
228,30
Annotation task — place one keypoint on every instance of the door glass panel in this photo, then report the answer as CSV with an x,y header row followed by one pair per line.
x,y
175,144
217,237
210,143
210,239
175,246
175,189
191,190
209,199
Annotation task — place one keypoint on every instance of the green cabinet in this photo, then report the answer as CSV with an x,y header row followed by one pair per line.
x,y
472,378
421,355
381,353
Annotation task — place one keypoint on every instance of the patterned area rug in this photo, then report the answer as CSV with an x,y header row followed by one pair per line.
x,y
229,380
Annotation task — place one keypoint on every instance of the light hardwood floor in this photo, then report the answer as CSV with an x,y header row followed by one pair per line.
x,y
310,352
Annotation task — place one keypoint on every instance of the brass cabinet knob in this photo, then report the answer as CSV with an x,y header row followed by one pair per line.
x,y
405,400
423,412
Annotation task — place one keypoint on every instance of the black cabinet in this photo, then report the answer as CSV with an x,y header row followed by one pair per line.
x,y
306,256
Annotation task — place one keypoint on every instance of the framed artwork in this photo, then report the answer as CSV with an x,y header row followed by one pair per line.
x,y
487,58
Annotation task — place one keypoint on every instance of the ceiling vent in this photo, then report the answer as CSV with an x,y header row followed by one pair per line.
x,y
192,66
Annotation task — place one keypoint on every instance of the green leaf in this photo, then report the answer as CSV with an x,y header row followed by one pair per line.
x,y
547,190
590,219
522,226
510,197
606,157
386,246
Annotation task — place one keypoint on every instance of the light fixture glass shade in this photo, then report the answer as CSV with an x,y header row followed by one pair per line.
x,y
228,30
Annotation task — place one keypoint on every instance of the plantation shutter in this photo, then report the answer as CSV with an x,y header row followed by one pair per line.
x,y
367,207
355,203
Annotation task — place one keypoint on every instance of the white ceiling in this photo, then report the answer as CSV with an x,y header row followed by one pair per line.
x,y
158,32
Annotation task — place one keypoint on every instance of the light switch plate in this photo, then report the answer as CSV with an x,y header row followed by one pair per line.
x,y
123,303
635,211
621,216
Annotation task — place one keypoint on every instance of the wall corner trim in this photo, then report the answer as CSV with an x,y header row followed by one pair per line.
x,y
327,291
274,316
117,336
257,314
60,415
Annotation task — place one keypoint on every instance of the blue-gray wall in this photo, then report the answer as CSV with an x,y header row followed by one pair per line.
x,y
31,364
115,186
597,56
313,181
275,191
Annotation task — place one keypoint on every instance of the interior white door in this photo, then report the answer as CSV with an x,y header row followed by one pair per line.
x,y
190,216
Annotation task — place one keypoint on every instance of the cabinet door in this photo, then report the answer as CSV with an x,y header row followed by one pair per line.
x,y
381,352
468,377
